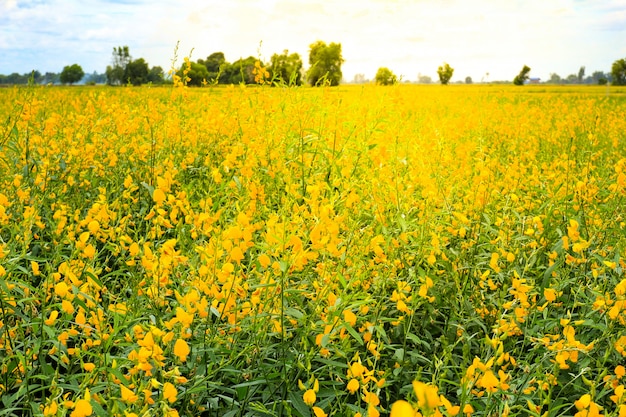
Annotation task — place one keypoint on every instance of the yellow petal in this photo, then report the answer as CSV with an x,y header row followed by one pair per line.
x,y
402,408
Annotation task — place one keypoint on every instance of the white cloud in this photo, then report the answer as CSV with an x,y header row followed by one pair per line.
x,y
7,5
408,36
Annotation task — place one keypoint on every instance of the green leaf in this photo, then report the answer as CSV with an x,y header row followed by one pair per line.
x,y
353,333
148,187
250,383
298,403
548,274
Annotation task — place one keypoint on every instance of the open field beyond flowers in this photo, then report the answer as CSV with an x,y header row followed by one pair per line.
x,y
309,252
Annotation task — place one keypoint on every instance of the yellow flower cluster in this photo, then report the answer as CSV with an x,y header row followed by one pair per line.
x,y
171,251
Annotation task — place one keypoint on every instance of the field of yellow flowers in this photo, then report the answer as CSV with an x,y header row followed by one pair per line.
x,y
352,251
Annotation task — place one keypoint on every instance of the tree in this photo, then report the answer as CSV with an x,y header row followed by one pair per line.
x,y
215,63
136,72
599,77
468,80
72,74
522,77
95,78
554,78
197,73
618,71
156,75
596,76
445,73
359,79
115,73
384,76
286,68
581,75
51,78
16,78
424,79
241,71
325,61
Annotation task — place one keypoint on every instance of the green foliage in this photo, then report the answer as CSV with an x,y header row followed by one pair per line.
x,y
197,74
136,72
216,70
325,61
215,63
599,77
37,77
71,74
241,71
124,70
581,75
554,78
618,71
445,73
384,76
119,61
156,75
424,79
522,77
286,68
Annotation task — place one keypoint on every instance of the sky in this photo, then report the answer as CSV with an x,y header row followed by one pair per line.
x,y
488,40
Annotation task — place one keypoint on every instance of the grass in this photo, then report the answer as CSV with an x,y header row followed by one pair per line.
x,y
268,251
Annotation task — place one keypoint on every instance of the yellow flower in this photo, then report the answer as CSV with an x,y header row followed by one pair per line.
x,y
35,267
89,251
264,260
372,411
236,254
489,381
583,402
402,408
468,409
133,249
128,396
309,397
427,395
619,393
319,412
93,226
371,398
158,196
67,307
52,318
88,366
353,386
50,409
169,392
349,317
181,349
356,369
550,294
61,289
451,410
82,407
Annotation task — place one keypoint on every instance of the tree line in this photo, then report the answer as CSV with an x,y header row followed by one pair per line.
x,y
325,62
